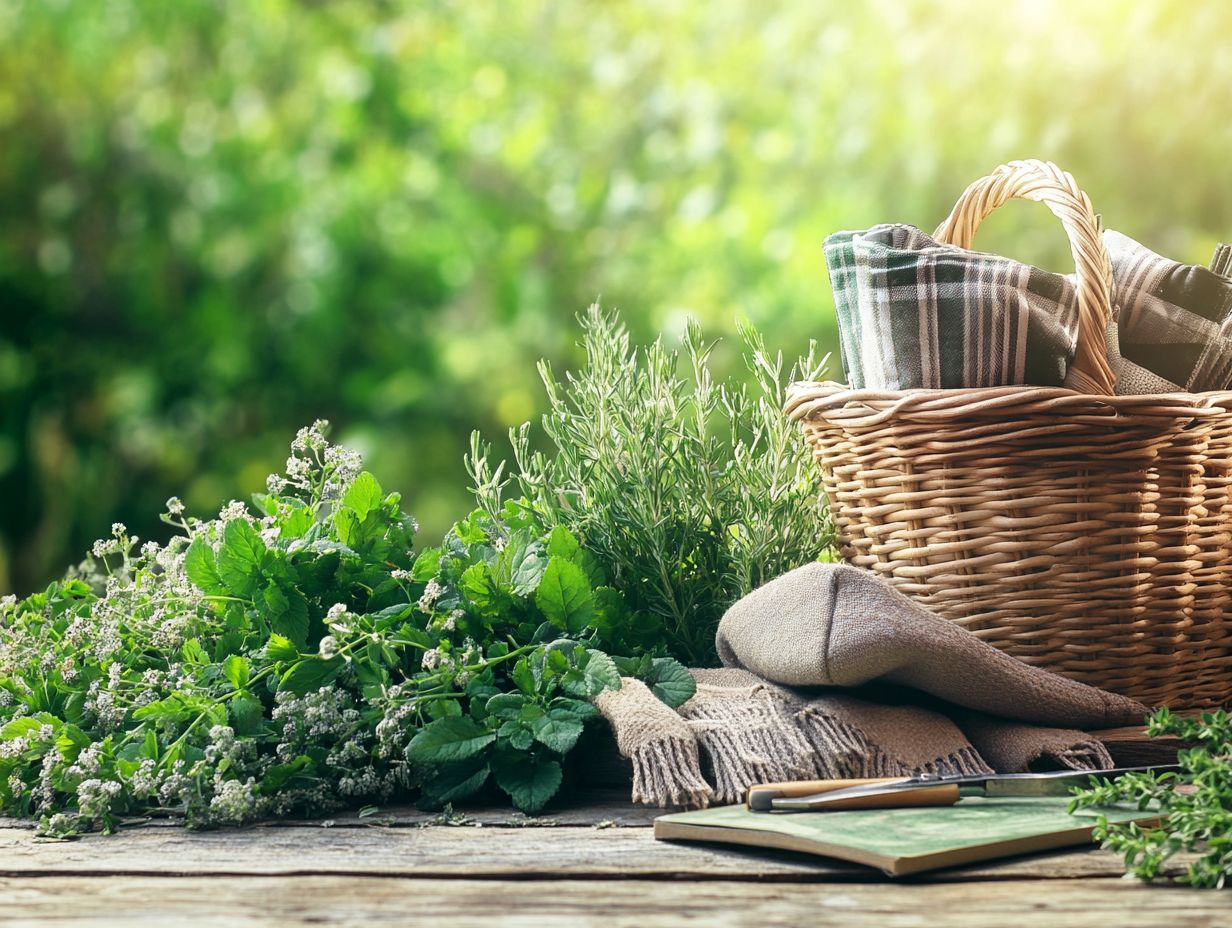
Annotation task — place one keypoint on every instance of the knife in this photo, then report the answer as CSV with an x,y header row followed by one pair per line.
x,y
926,790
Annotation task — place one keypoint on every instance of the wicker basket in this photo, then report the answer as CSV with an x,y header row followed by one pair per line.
x,y
1083,532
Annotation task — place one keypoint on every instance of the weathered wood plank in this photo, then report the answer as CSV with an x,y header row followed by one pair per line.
x,y
474,852
341,901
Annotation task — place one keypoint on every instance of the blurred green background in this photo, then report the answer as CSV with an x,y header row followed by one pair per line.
x,y
219,221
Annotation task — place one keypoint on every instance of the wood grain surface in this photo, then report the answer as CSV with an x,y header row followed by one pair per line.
x,y
591,861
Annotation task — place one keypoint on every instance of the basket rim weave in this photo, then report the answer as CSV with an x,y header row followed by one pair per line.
x,y
807,399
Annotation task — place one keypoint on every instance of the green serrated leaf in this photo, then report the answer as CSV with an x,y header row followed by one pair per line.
x,y
561,543
245,712
601,672
287,613
280,648
518,734
192,652
241,558
236,669
447,740
479,586
347,525
279,775
363,495
530,782
309,674
201,568
525,564
564,596
560,735
562,707
505,705
670,681
524,677
295,522
427,565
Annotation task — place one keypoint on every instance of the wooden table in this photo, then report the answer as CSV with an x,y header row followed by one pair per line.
x,y
592,860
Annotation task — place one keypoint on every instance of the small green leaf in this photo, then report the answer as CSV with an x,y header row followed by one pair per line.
x,y
564,596
518,734
479,586
236,669
241,558
280,648
201,568
505,705
295,522
287,613
363,495
529,782
562,707
558,734
311,673
427,565
469,532
561,543
245,713
524,677
670,681
601,672
526,566
449,739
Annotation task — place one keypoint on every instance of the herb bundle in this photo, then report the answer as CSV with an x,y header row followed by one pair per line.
x,y
300,659
1195,804
691,492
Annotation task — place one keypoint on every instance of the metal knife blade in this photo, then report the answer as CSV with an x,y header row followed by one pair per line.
x,y
1051,783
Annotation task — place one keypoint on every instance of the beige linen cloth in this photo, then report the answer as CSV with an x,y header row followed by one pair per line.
x,y
830,673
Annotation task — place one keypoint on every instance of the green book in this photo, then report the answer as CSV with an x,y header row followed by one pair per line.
x,y
903,841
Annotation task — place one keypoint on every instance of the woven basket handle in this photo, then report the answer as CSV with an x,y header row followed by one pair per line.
x,y
1046,183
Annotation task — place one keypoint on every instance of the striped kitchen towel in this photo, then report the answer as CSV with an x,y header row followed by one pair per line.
x,y
914,313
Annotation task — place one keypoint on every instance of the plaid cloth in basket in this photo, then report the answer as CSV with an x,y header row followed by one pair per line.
x,y
917,314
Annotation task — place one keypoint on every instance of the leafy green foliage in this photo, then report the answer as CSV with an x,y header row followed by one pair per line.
x,y
1195,804
692,492
304,659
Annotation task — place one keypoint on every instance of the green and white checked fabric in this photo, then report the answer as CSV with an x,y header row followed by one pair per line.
x,y
914,313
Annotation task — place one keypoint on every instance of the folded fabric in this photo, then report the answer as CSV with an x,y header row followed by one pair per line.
x,y
762,718
914,313
1174,320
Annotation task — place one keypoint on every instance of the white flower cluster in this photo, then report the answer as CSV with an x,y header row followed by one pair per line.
x,y
432,592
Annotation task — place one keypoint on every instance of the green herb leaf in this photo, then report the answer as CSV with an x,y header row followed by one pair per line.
x,y
245,713
530,782
363,495
236,669
558,734
288,614
201,568
449,739
241,558
280,648
309,674
564,596
427,565
670,681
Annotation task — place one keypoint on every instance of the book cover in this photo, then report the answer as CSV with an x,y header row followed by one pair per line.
x,y
903,841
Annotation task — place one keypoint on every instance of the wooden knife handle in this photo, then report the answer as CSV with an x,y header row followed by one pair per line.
x,y
759,798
